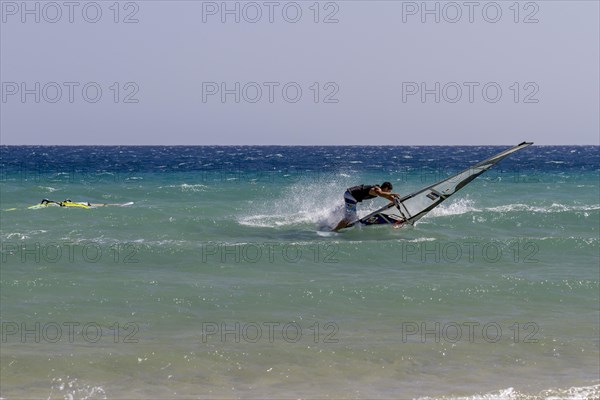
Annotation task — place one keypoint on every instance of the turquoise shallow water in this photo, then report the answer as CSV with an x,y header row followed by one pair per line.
x,y
219,281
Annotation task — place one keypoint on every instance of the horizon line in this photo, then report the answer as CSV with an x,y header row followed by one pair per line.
x,y
281,145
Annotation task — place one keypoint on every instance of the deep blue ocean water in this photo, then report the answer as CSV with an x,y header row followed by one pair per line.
x,y
221,281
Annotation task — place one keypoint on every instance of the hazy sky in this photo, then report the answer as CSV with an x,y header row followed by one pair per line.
x,y
305,72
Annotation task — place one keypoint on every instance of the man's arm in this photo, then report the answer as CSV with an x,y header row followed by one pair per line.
x,y
376,191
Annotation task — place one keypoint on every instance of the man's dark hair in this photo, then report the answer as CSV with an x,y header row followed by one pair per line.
x,y
387,185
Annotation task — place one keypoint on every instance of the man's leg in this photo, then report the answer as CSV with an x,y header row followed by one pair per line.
x,y
341,225
349,212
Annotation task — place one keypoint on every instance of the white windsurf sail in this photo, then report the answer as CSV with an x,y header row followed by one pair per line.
x,y
412,207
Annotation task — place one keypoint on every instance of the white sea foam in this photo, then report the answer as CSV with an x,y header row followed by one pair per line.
x,y
554,208
460,206
185,187
573,393
418,240
17,235
318,203
322,204
465,205
48,188
70,388
193,188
